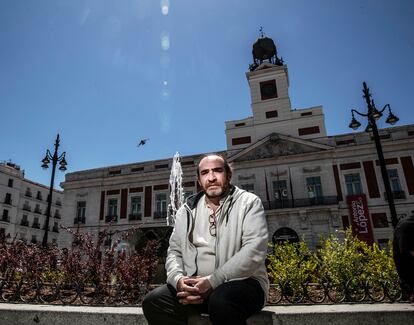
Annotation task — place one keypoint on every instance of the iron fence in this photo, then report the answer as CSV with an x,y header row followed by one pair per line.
x,y
77,293
354,290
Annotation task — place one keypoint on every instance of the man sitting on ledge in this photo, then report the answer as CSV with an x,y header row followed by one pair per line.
x,y
215,262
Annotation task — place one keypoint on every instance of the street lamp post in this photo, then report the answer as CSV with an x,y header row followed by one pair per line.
x,y
373,115
55,158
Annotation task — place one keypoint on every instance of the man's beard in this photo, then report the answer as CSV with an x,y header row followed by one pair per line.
x,y
218,191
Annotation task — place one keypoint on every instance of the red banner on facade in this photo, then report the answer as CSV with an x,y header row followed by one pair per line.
x,y
360,220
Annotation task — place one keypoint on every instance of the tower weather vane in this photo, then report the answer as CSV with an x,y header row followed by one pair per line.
x,y
261,31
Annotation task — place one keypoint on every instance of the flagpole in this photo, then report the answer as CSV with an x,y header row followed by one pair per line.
x,y
267,189
291,189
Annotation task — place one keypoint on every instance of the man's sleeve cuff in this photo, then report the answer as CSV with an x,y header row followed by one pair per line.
x,y
216,278
174,280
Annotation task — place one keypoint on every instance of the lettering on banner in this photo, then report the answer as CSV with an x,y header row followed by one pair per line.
x,y
359,216
361,224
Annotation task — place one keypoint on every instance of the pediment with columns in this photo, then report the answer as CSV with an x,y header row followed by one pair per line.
x,y
276,145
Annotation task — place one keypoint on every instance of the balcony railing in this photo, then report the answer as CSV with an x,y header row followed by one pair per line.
x,y
8,201
135,216
24,223
78,220
39,197
37,210
300,203
398,195
111,218
27,207
160,214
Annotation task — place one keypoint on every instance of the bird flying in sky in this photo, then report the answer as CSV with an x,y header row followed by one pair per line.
x,y
142,142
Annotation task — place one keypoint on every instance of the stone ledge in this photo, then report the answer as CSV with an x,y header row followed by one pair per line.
x,y
342,314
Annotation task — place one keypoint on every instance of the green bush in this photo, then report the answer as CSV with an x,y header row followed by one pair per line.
x,y
338,261
342,261
292,265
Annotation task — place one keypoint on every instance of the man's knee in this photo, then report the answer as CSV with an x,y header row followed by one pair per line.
x,y
148,302
152,294
154,298
220,304
234,302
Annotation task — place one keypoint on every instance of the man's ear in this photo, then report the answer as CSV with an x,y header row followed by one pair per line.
x,y
229,177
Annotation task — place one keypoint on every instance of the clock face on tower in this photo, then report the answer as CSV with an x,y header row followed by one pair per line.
x,y
268,89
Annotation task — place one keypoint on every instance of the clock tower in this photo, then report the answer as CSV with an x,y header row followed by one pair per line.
x,y
271,107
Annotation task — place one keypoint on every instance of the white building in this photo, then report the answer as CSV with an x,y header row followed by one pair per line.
x,y
308,181
23,206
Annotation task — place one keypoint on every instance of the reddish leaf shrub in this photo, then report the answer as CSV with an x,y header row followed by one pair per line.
x,y
139,268
88,261
19,260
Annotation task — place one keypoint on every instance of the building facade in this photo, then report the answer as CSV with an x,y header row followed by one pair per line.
x,y
23,206
311,184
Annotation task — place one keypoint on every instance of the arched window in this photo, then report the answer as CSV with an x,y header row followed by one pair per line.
x,y
285,234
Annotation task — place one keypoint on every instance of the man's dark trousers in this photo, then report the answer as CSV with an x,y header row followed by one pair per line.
x,y
231,303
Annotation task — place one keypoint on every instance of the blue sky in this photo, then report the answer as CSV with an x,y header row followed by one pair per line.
x,y
105,74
